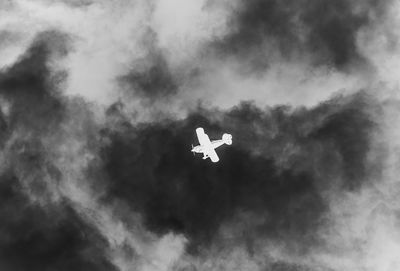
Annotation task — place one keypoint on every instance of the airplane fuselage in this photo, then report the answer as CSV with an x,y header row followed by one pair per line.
x,y
200,149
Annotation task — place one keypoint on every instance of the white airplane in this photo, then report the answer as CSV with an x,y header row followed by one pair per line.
x,y
208,147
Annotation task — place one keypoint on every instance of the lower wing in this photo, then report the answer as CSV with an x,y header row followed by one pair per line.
x,y
212,154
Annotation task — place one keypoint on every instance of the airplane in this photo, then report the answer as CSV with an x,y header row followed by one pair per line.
x,y
208,147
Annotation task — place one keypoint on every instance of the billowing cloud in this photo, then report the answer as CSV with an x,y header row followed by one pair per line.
x,y
99,101
324,30
291,159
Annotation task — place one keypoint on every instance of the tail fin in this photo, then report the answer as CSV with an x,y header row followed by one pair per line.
x,y
227,139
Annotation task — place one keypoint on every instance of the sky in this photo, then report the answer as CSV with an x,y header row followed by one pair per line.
x,y
99,102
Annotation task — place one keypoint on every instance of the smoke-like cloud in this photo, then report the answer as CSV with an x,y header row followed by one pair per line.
x,y
37,234
282,162
99,101
325,31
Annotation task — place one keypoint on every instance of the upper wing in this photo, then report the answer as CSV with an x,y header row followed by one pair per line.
x,y
205,142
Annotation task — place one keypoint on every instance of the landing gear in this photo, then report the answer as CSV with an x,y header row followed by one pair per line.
x,y
205,157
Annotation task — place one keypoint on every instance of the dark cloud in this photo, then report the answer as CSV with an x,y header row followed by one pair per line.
x,y
78,3
50,238
150,167
38,232
151,77
324,30
33,109
351,142
340,127
31,90
153,81
282,266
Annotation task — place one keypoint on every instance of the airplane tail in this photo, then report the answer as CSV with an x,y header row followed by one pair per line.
x,y
227,139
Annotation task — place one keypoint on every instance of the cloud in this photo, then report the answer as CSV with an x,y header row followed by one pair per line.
x,y
53,238
49,143
325,31
282,161
99,102
153,80
39,230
